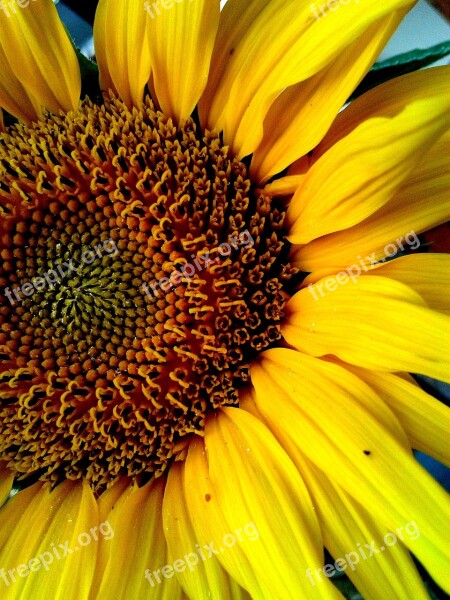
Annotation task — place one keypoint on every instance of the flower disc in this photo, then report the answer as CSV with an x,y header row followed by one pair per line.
x,y
141,273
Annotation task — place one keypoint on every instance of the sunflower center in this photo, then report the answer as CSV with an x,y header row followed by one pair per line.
x,y
141,273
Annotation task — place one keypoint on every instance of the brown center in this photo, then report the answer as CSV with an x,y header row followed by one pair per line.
x,y
141,273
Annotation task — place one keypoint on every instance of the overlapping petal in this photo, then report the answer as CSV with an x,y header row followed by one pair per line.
x,y
370,321
250,477
300,116
427,274
13,96
132,560
209,522
44,537
199,571
422,202
100,42
181,67
425,420
45,65
295,44
373,557
13,511
316,406
122,48
350,533
380,153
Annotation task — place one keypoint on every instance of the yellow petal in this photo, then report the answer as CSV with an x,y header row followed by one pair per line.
x,y
6,481
385,100
427,274
367,400
13,96
110,497
209,523
283,45
53,538
121,490
100,42
45,65
300,117
181,36
380,153
374,558
315,404
12,512
120,35
206,578
370,321
422,203
132,560
259,492
425,420
346,527
235,20
285,186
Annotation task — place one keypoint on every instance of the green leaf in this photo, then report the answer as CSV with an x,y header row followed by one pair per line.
x,y
401,64
90,85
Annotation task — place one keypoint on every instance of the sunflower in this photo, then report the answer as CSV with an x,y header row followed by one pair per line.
x,y
205,351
